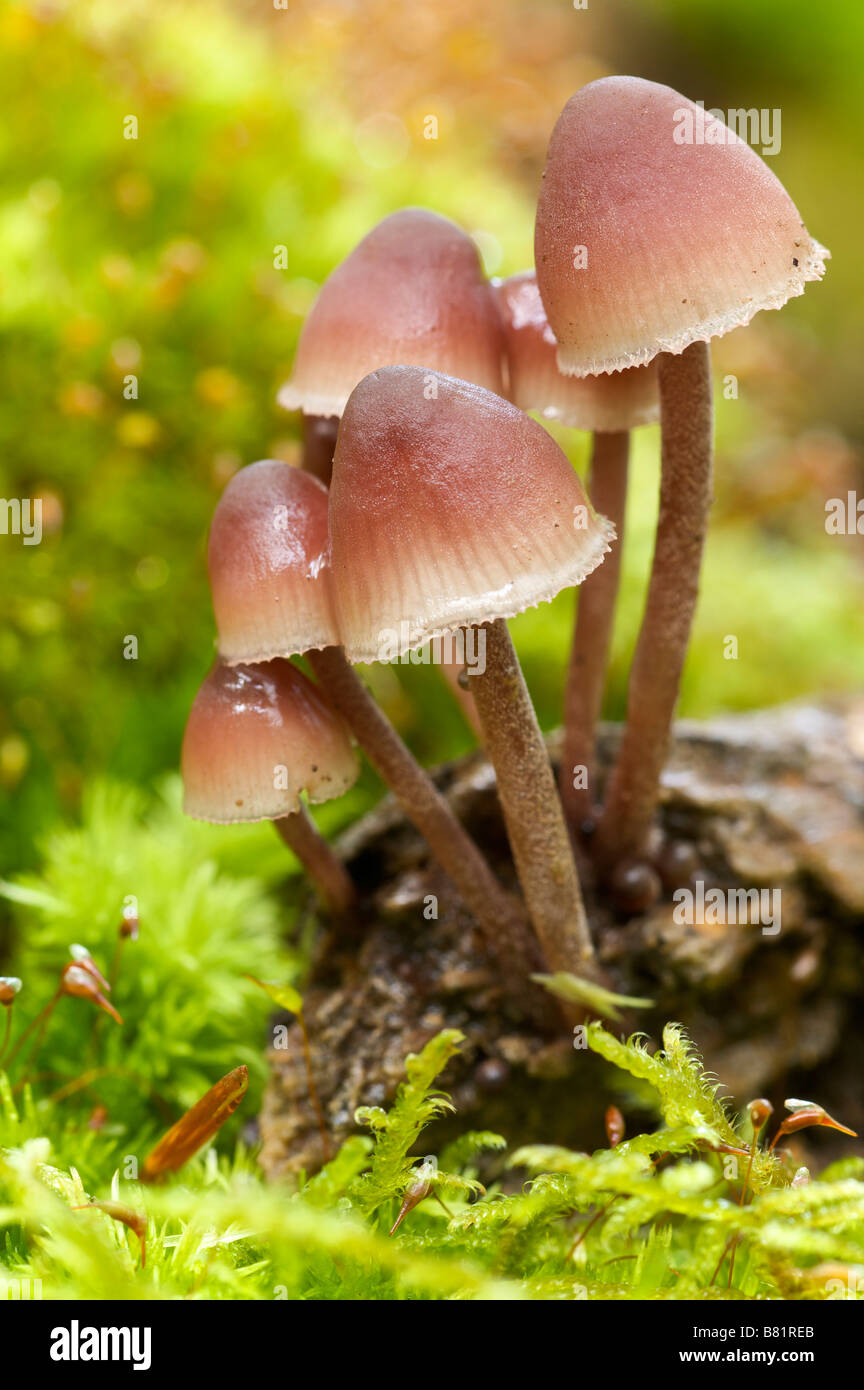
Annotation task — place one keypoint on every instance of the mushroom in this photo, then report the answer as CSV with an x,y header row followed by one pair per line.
x,y
257,737
270,580
412,291
611,406
449,507
649,243
267,557
605,404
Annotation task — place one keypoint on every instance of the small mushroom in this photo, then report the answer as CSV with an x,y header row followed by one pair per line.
x,y
648,242
267,554
606,404
257,737
449,507
413,290
271,583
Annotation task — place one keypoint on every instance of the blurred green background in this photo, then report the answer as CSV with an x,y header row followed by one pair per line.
x,y
301,126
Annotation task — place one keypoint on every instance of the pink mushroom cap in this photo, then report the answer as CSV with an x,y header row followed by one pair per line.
x,y
606,403
412,291
269,572
258,736
448,507
687,231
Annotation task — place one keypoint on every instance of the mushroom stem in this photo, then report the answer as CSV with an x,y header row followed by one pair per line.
x,y
685,499
586,677
319,444
532,811
325,868
506,935
452,673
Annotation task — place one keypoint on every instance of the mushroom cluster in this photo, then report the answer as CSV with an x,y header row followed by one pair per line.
x,y
430,506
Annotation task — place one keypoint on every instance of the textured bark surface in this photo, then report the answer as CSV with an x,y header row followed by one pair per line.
x,y
771,800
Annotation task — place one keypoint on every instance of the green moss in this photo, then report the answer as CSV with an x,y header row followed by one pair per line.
x,y
656,1217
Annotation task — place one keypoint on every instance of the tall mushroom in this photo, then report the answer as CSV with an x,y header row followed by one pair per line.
x,y
257,737
270,580
657,230
610,406
449,507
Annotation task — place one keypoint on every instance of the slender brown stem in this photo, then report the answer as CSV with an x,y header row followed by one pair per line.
x,y
6,1031
325,869
586,678
40,1022
736,1238
452,672
719,1264
112,980
685,498
532,811
601,1212
507,936
319,443
80,1083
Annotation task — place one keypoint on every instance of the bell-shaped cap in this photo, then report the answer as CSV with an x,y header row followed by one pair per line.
x,y
258,736
658,227
606,403
413,291
269,572
448,507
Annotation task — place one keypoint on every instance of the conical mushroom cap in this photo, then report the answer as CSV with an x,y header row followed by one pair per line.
x,y
684,240
258,736
448,507
413,291
269,574
616,401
